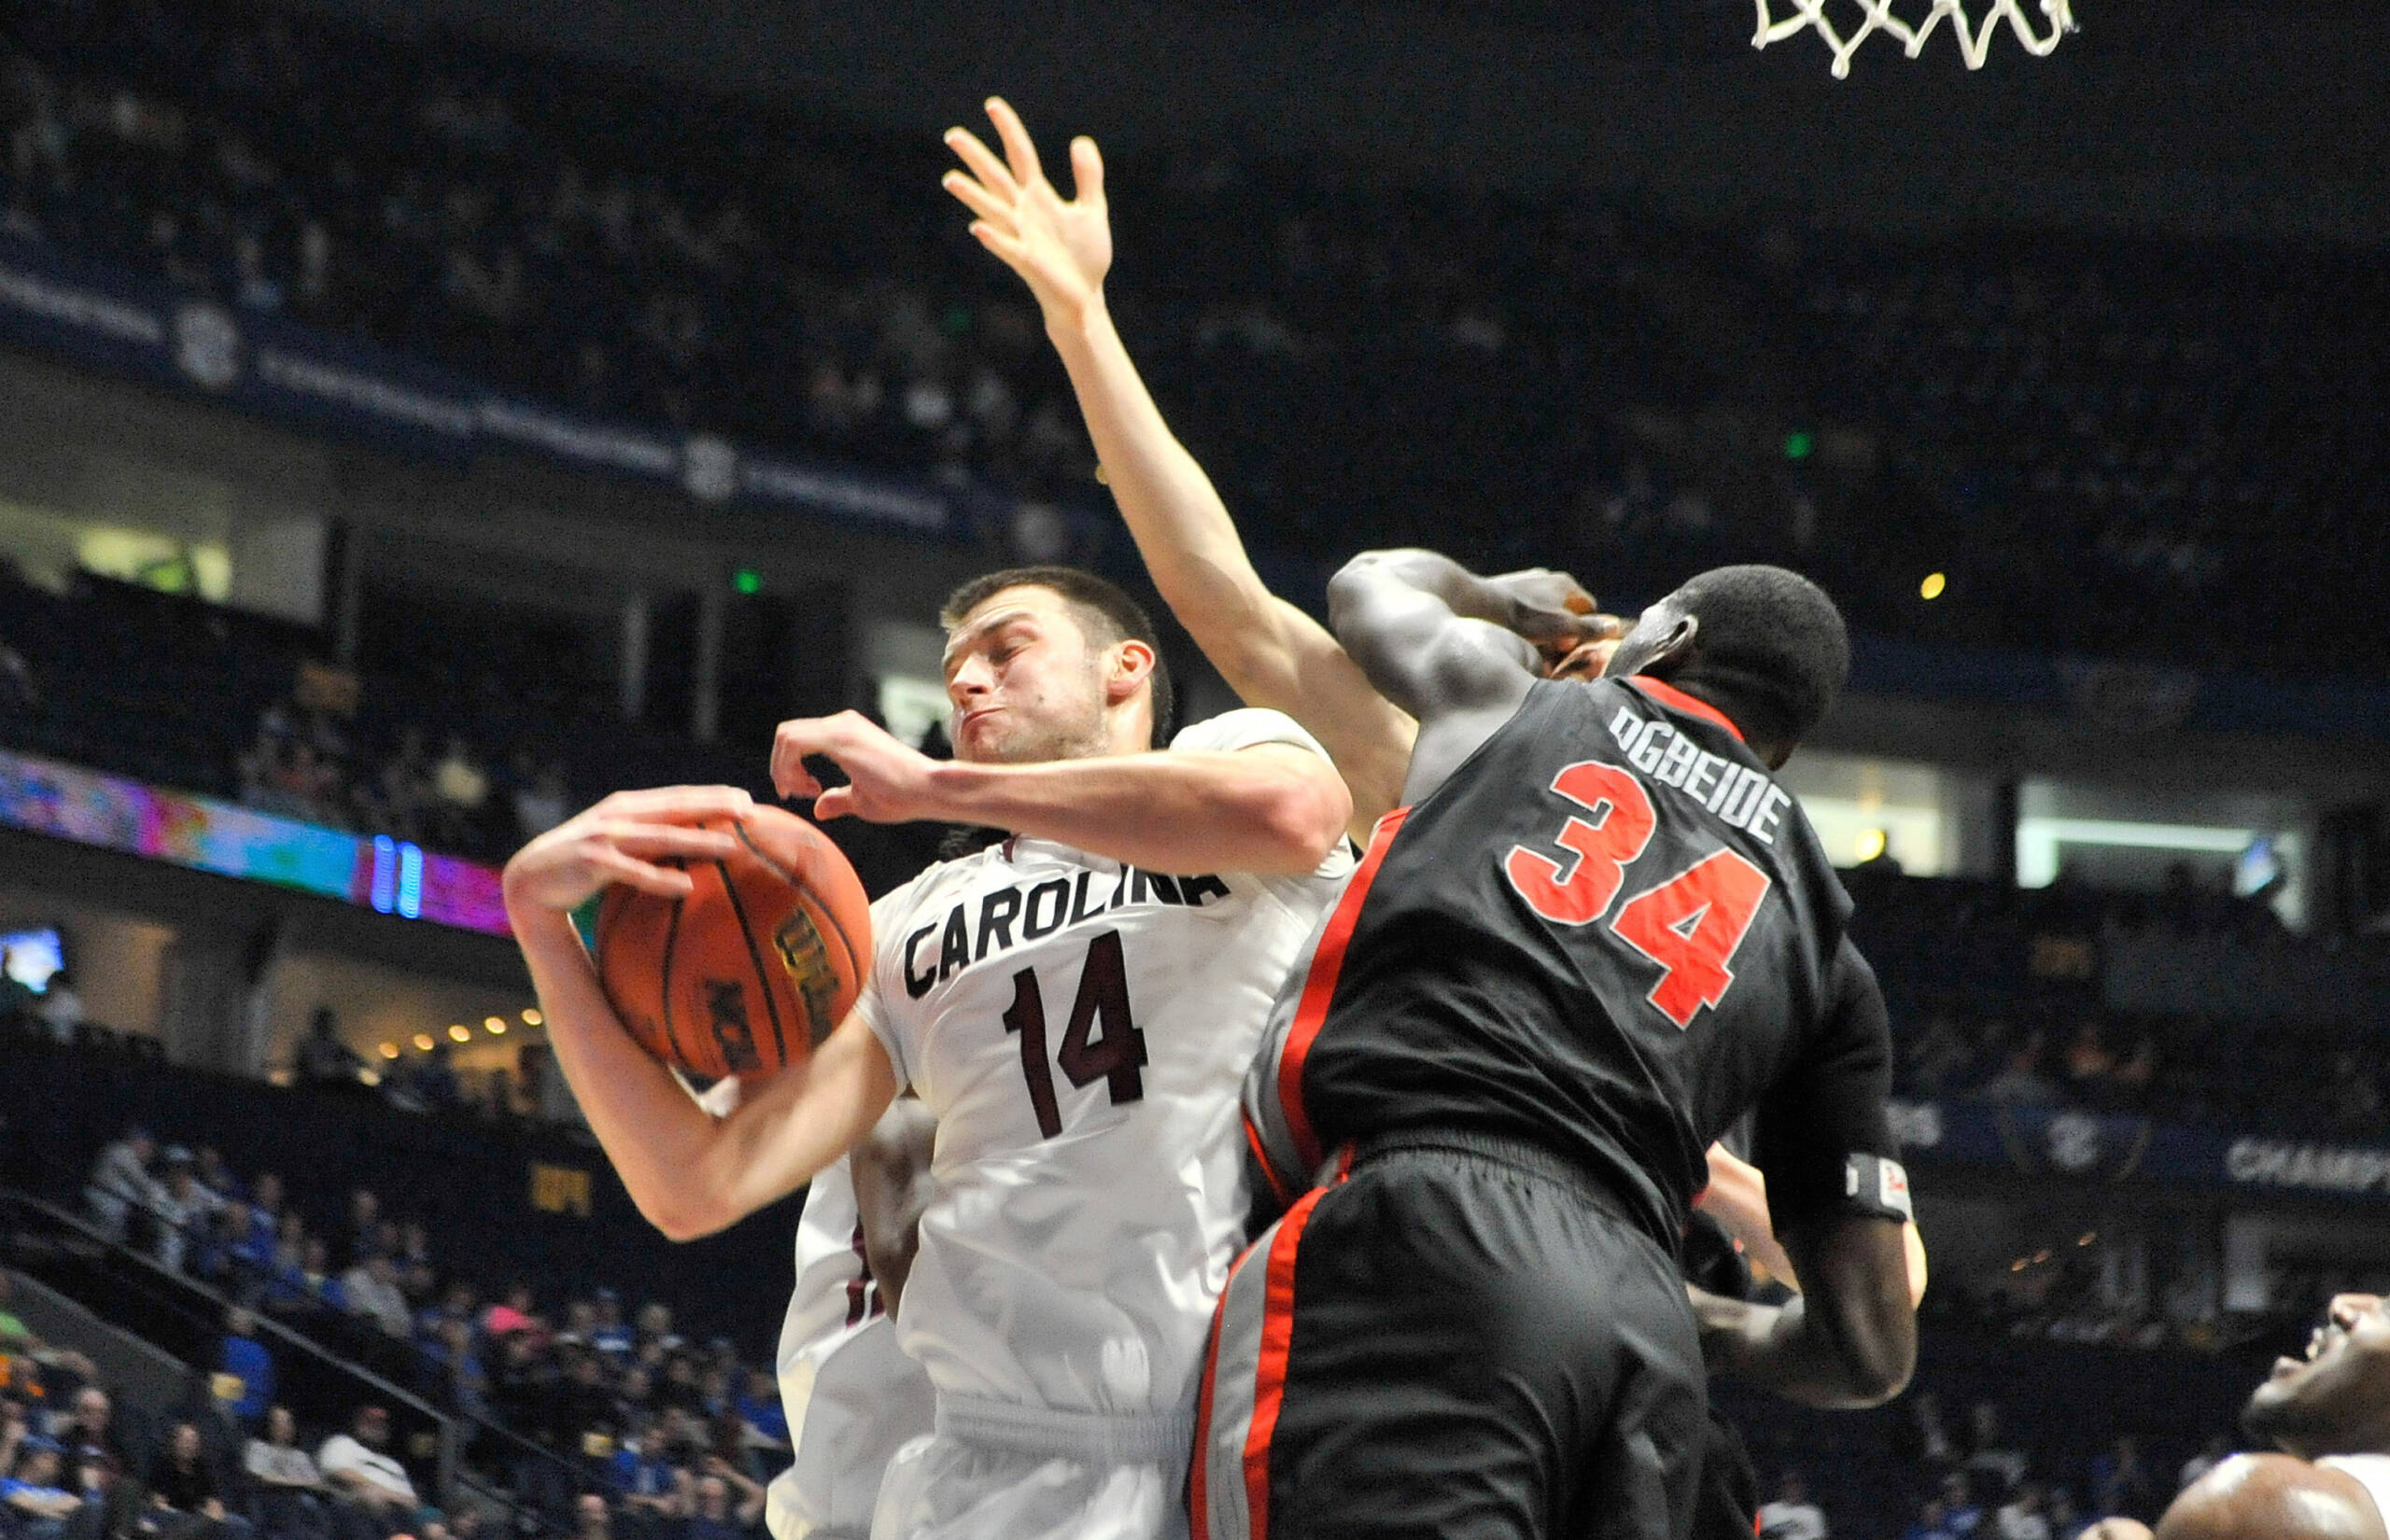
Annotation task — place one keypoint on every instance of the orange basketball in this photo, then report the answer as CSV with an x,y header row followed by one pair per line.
x,y
750,972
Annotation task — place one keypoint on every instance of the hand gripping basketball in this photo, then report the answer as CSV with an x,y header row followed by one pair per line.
x,y
626,838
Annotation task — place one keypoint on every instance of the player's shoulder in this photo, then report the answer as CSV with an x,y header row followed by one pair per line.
x,y
1245,727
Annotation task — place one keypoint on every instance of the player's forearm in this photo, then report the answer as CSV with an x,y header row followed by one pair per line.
x,y
1173,812
1785,1348
1183,530
689,1173
1737,1198
1465,593
657,1137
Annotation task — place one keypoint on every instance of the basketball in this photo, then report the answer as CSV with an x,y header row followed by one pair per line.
x,y
747,974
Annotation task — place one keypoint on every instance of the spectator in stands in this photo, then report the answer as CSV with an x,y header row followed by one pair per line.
x,y
514,1313
265,1208
460,789
2020,1079
375,1495
289,1489
323,1059
369,1290
40,1507
2066,1523
433,1082
2121,1484
2022,1516
542,800
584,1407
610,1335
1791,1516
1932,1524
361,1227
182,1482
454,1376
61,1011
311,1288
1959,1509
652,1486
245,1359
717,1517
407,794
763,1416
91,1433
591,1519
182,1209
23,1346
1990,1453
122,1185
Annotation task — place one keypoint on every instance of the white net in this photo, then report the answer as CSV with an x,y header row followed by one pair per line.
x,y
1877,16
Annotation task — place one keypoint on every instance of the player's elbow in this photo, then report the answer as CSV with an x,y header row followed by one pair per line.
x,y
1303,817
683,1215
1878,1362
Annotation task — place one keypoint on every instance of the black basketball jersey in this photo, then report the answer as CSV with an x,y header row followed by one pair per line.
x,y
1611,933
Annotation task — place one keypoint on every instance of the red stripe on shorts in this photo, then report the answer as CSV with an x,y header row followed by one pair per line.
x,y
1319,986
1277,1341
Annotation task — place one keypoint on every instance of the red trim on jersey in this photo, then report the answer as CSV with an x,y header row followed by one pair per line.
x,y
1677,700
1198,1512
1319,986
1277,1342
1269,1172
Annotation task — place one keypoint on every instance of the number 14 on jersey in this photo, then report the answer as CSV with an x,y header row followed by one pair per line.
x,y
1101,1040
1691,924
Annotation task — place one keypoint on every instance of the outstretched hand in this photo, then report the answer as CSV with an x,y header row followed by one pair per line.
x,y
1062,248
637,838
887,780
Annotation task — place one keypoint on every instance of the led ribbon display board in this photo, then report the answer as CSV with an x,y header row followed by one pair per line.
x,y
205,834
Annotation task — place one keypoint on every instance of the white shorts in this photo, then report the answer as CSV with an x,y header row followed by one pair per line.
x,y
992,1472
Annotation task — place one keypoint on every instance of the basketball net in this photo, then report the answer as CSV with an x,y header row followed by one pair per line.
x,y
1975,38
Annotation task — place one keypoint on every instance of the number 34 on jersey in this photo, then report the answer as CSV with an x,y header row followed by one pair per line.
x,y
1690,922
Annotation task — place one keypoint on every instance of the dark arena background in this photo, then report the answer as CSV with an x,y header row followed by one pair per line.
x,y
417,420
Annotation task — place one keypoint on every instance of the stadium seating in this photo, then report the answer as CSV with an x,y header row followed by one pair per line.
x,y
2094,436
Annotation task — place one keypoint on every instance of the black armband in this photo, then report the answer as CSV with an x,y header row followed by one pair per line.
x,y
1873,1185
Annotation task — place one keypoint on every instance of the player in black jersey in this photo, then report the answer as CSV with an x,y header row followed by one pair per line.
x,y
1598,932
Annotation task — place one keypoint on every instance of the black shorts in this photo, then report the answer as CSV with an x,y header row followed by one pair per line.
x,y
1465,1338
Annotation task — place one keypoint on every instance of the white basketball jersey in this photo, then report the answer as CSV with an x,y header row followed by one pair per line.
x,y
1080,1029
852,1396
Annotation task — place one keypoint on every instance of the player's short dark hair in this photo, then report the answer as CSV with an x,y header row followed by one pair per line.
x,y
1105,612
1772,651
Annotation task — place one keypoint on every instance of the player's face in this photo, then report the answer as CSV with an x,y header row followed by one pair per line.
x,y
2335,1399
1025,682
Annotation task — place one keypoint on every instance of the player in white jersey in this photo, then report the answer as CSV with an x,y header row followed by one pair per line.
x,y
853,1397
1076,1006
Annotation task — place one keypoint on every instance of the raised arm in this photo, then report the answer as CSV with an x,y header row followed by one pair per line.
x,y
1272,808
1271,653
690,1172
